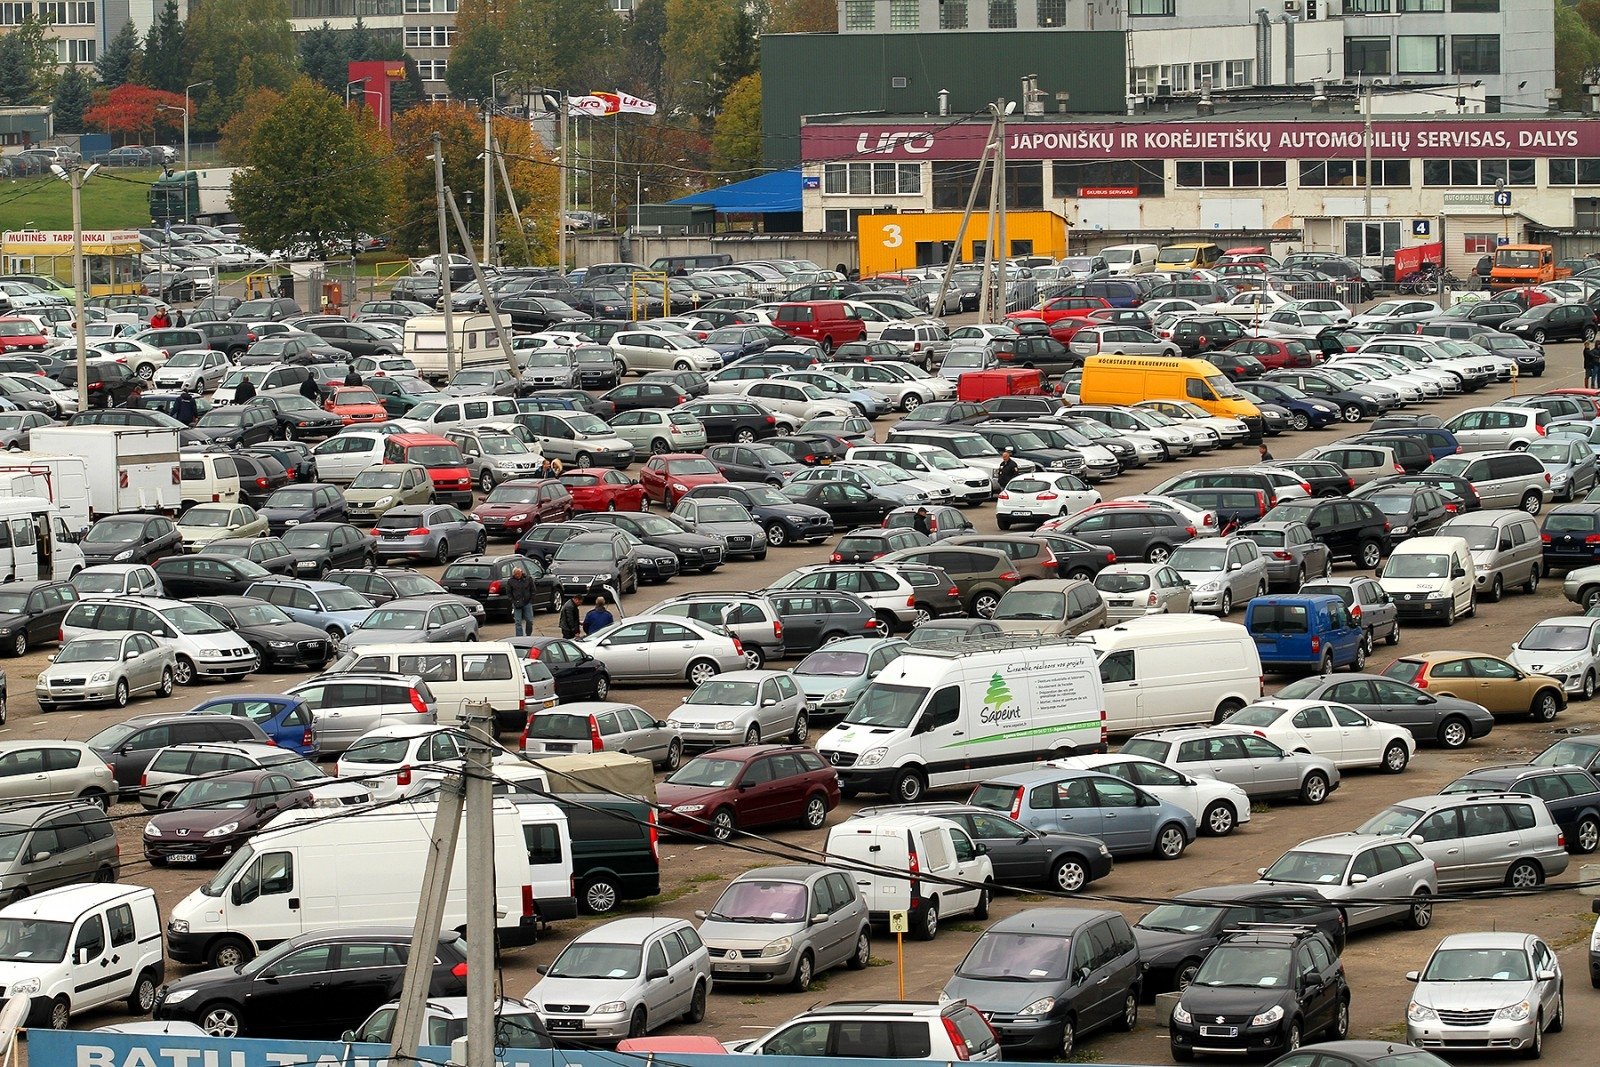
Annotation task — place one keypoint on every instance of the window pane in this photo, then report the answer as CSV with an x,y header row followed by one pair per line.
x,y
1491,171
910,178
1150,8
1489,6
858,14
1421,55
1002,14
1274,174
1475,53
834,177
1216,174
1395,172
1188,175
1436,172
1521,172
1313,175
903,14
1246,174
1366,56
1563,172
1421,5
953,15
1463,172
1052,12
861,179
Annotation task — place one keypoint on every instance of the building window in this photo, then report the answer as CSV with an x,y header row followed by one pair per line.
x,y
74,51
1025,185
1142,80
858,14
1206,74
1367,7
872,179
835,220
1421,55
1440,173
1176,77
1475,6
432,70
1586,213
1408,7
1366,56
1152,8
13,14
953,15
1340,173
1371,239
1575,172
1068,178
904,14
952,183
1238,174
1237,73
430,36
1477,243
1002,14
1475,53
1052,12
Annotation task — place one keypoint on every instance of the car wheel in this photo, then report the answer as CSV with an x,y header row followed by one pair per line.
x,y
816,812
1128,1018
1069,874
639,1024
620,369
802,729
1524,874
1292,1042
658,447
120,698
143,997
804,971
1226,608
1587,838
1069,1040
1314,789
441,555
486,480
1532,502
722,824
583,459
1359,664
1157,554
752,736
697,1004
600,896
745,436
983,605
1326,666
19,644
1219,819
602,686
754,658
674,755
1545,706
99,799
1587,693
3,710
777,535
861,958
183,671
1341,1021
910,403
1002,522
1367,642
1170,842
1420,915
1370,554
1351,413
228,952
1395,758
925,925
1538,337
1532,586
1454,732
909,786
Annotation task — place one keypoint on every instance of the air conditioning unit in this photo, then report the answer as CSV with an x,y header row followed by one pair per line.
x,y
1163,88
1291,5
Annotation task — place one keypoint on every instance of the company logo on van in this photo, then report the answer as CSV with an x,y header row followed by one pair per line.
x,y
998,703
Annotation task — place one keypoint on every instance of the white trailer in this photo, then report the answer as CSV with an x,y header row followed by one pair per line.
x,y
129,468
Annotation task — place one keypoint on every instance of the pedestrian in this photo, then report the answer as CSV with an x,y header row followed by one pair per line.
x,y
185,409
544,467
1591,363
178,320
309,390
921,523
1008,468
521,589
244,392
598,618
1266,456
135,398
568,618
555,468
353,377
160,321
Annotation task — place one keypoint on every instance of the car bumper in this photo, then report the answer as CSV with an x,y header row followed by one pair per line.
x,y
1497,1034
406,547
1284,572
1569,560
1016,1034
772,970
1122,613
226,666
614,460
1211,601
83,693
700,739
299,654
461,498
1246,1040
1424,607
184,947
506,528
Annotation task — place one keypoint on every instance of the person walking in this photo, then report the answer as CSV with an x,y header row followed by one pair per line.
x,y
598,618
353,376
521,589
921,523
178,320
1008,468
1266,456
1591,364
185,409
160,320
568,618
244,392
309,390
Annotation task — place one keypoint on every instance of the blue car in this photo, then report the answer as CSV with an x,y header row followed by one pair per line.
x,y
737,342
1127,819
328,606
1312,633
285,720
1316,413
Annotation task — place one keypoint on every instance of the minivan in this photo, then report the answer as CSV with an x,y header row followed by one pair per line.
x,y
1130,259
455,673
58,843
1479,838
830,323
1497,427
1188,255
1305,633
1431,578
1505,549
1503,479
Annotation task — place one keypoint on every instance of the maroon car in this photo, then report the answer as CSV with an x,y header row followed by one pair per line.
x,y
1277,353
746,786
511,508
211,817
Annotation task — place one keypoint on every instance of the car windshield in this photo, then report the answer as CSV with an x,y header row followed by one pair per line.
x,y
284,498
721,513
260,614
1315,868
1006,957
1392,503
527,494
311,537
115,530
968,446
765,495
1266,538
1478,965
207,517
1568,754
1199,560
588,959
828,664
214,794
396,619
761,902
91,650
33,940
583,422
1021,604
502,445
547,359
1254,967
1551,451
1394,821
1478,538
377,478
580,551
707,771
186,359
1556,637
356,396
1419,565
191,620
679,467
1180,918
725,693
1256,715
888,705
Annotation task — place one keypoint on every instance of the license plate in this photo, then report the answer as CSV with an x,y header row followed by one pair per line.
x,y
393,536
732,968
182,857
564,1024
1219,1031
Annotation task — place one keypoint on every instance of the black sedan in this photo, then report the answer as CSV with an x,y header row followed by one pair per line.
x,y
295,505
318,547
578,675
269,553
341,972
785,521
1076,558
692,550
278,640
732,419
206,575
486,579
298,418
945,413
31,613
1447,720
130,539
383,584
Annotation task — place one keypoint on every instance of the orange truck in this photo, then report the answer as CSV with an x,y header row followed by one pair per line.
x,y
1519,265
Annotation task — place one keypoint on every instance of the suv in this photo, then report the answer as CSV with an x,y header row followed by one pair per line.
x,y
1510,479
749,617
1261,992
1373,879
1478,839
982,575
893,1030
348,705
1352,529
760,930
76,835
1571,793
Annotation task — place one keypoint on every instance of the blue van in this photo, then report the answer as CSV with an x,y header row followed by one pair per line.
x,y
285,720
1313,632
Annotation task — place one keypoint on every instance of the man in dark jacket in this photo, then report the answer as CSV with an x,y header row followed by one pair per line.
x,y
598,618
521,589
244,392
1008,468
353,376
309,389
921,523
568,617
185,409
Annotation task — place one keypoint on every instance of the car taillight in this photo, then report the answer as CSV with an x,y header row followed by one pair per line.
x,y
1105,728
1545,538
738,647
777,629
771,421
1281,554
1386,526
1539,429
870,624
1546,477
144,780
459,970
420,531
1355,611
1011,576
527,902
418,705
596,742
1191,530
836,558
655,837
494,587
403,777
957,1042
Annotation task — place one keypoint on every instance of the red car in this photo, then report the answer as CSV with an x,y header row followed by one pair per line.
x,y
597,489
512,507
21,335
355,404
1276,353
747,786
1062,307
668,476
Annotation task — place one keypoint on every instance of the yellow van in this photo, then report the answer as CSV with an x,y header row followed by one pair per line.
x,y
1127,380
1194,255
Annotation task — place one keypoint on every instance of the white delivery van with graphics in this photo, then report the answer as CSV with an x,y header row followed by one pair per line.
x,y
936,718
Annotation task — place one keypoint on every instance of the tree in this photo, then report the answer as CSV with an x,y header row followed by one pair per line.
x,y
696,31
166,64
121,59
474,59
736,138
407,94
239,132
27,64
74,96
803,16
318,173
323,58
130,110
1577,56
238,45
739,54
647,56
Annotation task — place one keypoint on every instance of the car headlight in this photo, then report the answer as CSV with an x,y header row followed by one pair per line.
x,y
1399,530
126,553
689,809
383,501
27,985
1209,587
280,644
519,517
1041,1006
778,947
679,488
611,1007
222,831
1181,1016
99,676
1516,1012
837,694
872,757
1104,851
1268,1017
725,724
1420,1013
1364,398
152,830
675,724
177,997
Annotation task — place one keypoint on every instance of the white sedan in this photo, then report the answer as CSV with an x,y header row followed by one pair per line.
x,y
1033,498
1218,807
1334,731
1254,304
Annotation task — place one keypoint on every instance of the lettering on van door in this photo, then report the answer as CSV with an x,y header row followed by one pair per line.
x,y
1052,696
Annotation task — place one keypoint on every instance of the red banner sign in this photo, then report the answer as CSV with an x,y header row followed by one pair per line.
x,y
1107,192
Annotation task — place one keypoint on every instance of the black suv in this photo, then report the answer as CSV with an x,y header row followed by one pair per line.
x,y
1571,793
1204,334
1261,992
110,384
1352,529
1175,937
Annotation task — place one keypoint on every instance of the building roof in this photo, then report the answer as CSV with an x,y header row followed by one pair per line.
x,y
771,193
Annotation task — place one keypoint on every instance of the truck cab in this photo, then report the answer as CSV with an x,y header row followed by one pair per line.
x,y
1520,265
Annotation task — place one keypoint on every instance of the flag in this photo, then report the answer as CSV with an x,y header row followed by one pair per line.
x,y
633,105
591,105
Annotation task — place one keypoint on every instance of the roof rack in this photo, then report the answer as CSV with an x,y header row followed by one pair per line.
x,y
1002,643
1274,928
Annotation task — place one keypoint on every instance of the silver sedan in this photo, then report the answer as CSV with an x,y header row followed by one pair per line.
x,y
645,650
106,668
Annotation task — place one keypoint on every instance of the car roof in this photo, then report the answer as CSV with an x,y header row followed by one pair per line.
x,y
1483,939
1064,921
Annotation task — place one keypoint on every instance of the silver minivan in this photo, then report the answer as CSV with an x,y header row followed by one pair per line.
x,y
783,926
47,845
1505,547
1501,426
1503,479
1478,838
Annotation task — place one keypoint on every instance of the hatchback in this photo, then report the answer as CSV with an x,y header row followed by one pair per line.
x,y
209,818
715,795
762,928
746,706
1129,820
638,650
1499,686
602,726
285,721
1132,590
437,532
632,975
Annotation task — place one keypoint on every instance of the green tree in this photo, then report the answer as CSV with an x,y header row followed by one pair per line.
x,y
803,16
646,52
27,64
238,46
323,58
696,33
407,94
565,44
1577,55
361,44
474,59
736,137
999,692
74,95
316,172
121,59
166,64
739,55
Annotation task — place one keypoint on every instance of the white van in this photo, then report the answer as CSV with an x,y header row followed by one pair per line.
x,y
456,672
1173,670
35,541
208,477
80,947
1431,578
438,414
475,344
549,841
921,843
935,718
1130,259
320,870
62,480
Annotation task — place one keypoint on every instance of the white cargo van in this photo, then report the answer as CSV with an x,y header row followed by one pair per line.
x,y
79,947
62,480
935,718
456,672
1173,670
936,848
474,344
1431,578
319,870
1130,259
35,542
549,841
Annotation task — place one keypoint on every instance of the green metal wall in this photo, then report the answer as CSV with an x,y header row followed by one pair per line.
x,y
826,73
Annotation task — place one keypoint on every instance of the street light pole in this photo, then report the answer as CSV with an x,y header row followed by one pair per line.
x,y
488,166
186,91
75,175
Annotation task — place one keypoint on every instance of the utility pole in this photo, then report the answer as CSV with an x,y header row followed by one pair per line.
x,y
559,102
1366,109
407,1033
1004,250
511,195
186,91
444,258
75,175
986,298
966,217
488,183
489,303
481,905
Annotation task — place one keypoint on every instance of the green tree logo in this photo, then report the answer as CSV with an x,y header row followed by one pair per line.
x,y
999,693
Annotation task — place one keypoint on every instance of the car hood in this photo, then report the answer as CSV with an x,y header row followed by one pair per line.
x,y
996,995
286,631
818,686
736,528
502,509
1472,996
203,979
582,990
1540,660
1234,1001
299,554
669,796
218,433
681,540
286,514
724,933
1168,944
194,822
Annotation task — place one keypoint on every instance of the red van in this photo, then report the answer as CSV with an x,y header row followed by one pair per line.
x,y
452,482
830,323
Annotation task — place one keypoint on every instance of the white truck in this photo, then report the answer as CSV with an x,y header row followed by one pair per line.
x,y
473,344
129,468
315,869
62,480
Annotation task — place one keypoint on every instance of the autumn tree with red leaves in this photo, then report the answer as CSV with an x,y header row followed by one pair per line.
x,y
133,110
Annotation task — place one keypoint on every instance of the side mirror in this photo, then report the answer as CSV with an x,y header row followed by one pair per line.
x,y
769,702
819,917
543,968
1458,573
130,654
1547,976
236,895
1261,872
38,857
348,1037
980,850
1357,879
700,914
1504,545
1416,976
655,974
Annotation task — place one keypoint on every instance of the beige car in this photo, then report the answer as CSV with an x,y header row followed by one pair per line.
x,y
387,485
205,523
1051,607
1363,462
1501,687
1133,590
54,770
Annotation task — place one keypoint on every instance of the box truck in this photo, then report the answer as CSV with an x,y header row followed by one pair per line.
x,y
129,468
62,480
